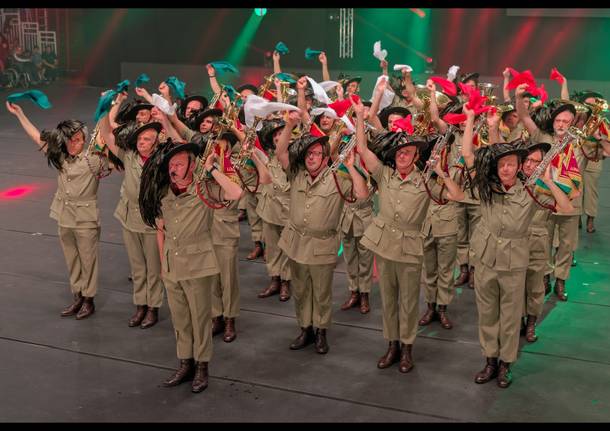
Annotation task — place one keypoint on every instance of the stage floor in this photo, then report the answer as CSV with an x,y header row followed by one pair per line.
x,y
98,369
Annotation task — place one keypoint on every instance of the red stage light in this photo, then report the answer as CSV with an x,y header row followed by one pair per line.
x,y
16,192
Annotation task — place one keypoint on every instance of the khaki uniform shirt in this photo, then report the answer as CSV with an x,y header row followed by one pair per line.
x,y
75,202
187,251
540,136
396,232
501,240
274,200
311,235
128,208
358,215
442,219
539,234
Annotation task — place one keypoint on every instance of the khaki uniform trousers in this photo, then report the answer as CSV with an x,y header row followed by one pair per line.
x,y
567,235
590,179
143,253
254,220
312,292
277,260
359,261
537,268
468,217
190,306
439,257
499,296
534,287
225,286
81,252
399,289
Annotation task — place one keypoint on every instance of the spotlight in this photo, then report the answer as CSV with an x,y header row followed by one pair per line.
x,y
260,12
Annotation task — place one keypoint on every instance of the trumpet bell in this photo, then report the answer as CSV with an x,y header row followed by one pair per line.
x,y
442,100
487,88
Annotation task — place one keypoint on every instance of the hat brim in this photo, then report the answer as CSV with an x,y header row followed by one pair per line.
x,y
190,147
133,112
201,99
474,76
520,152
207,113
385,114
414,141
250,87
562,108
154,125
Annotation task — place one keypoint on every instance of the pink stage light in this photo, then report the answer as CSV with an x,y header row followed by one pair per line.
x,y
17,192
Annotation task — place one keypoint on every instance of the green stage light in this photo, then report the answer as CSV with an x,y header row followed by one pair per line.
x,y
260,12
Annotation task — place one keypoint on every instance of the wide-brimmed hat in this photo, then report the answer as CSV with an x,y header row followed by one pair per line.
x,y
195,121
298,148
388,143
267,131
467,77
190,147
201,99
153,125
504,149
250,87
386,112
131,111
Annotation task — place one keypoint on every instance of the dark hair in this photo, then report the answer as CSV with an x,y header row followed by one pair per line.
x,y
56,140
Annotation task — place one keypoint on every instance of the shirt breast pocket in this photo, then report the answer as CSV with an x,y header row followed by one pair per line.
x,y
86,212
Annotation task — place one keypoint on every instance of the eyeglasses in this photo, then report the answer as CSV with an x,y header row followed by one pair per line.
x,y
533,161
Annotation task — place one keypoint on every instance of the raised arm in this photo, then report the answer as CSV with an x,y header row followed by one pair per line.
x,y
373,116
467,150
143,93
281,150
116,105
107,135
524,115
324,61
301,102
440,125
29,128
231,191
384,67
370,159
408,83
276,62
213,82
493,125
505,90
361,190
565,93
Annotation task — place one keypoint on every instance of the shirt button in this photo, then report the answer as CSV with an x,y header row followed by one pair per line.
x,y
307,206
499,241
400,187
174,238
176,220
176,253
87,205
504,211
304,220
393,230
398,201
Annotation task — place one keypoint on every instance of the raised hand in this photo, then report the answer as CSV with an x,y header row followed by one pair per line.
x,y
164,90
14,109
358,107
430,85
211,70
520,90
506,73
322,58
302,83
